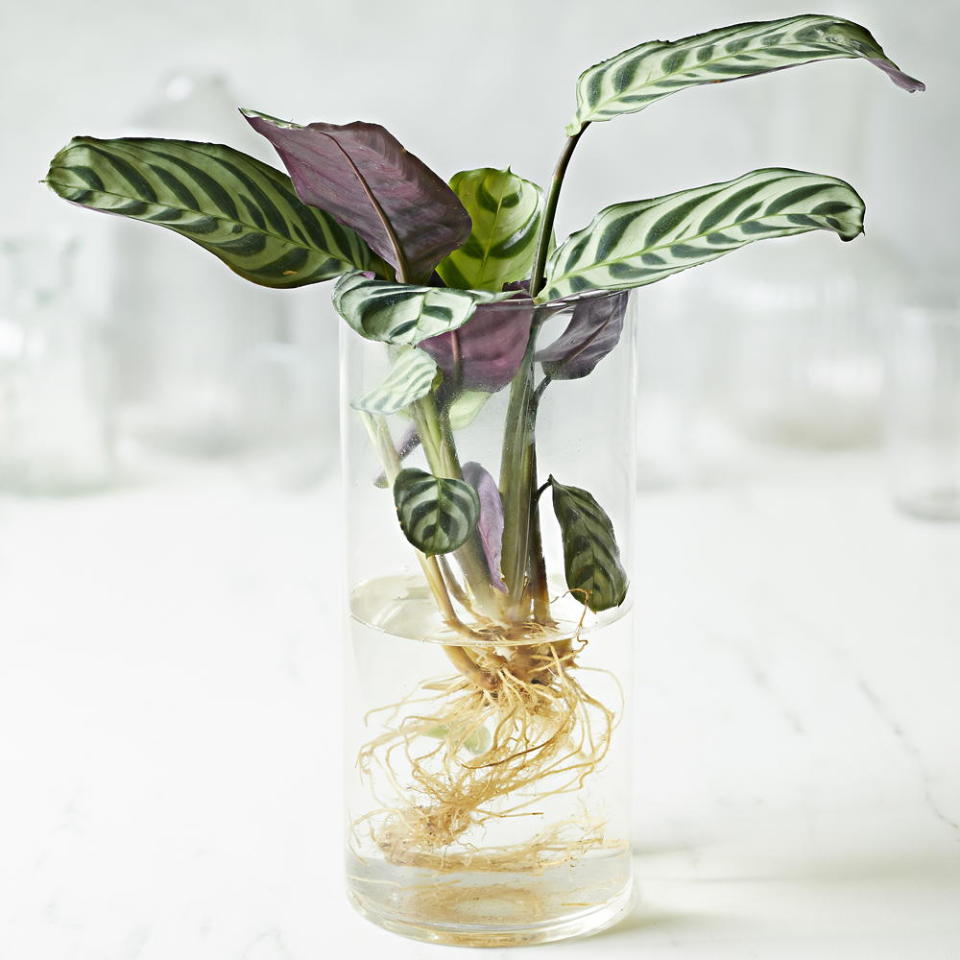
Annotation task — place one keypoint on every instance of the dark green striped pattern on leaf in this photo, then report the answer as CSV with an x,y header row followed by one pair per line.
x,y
505,211
591,558
437,514
403,312
633,244
241,210
411,377
637,78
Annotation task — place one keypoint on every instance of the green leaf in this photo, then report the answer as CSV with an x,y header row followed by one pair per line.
x,y
401,312
591,558
632,244
635,79
464,409
505,211
241,210
437,514
476,741
411,377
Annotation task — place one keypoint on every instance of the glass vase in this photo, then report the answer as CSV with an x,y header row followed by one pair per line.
x,y
487,740
923,406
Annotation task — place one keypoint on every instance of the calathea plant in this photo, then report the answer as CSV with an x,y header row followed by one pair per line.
x,y
458,281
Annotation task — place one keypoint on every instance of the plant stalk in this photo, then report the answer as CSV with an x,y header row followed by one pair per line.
x,y
441,452
522,556
550,212
383,444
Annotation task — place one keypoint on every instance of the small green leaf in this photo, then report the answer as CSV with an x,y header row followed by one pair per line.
x,y
633,244
595,575
505,210
642,75
437,514
464,409
403,313
476,742
411,377
241,210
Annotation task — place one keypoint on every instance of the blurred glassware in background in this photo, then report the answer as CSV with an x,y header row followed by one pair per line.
x,y
798,322
682,439
780,344
56,434
798,327
208,366
923,406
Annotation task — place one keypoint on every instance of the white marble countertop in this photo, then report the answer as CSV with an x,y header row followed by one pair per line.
x,y
168,689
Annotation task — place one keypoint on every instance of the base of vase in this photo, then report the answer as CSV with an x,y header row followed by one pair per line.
x,y
488,902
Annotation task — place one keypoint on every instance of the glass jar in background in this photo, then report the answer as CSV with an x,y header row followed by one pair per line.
x,y
796,332
210,368
795,326
682,434
56,432
923,407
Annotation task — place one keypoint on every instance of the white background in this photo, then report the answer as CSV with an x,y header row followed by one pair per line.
x,y
168,657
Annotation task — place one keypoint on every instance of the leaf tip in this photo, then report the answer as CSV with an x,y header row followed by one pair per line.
x,y
253,115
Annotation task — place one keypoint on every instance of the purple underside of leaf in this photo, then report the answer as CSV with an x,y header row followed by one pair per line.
x,y
490,345
361,175
901,79
490,523
593,331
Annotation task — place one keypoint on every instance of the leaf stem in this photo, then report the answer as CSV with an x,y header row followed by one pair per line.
x,y
441,452
550,212
383,443
516,482
522,553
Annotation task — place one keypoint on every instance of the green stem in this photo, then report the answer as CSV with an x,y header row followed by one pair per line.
x,y
516,478
538,568
441,452
522,556
383,443
550,212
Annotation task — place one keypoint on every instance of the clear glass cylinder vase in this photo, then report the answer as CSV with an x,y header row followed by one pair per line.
x,y
487,730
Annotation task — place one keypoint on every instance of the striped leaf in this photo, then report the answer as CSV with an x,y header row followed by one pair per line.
x,y
437,514
411,377
505,211
632,244
361,174
241,210
591,558
639,77
400,312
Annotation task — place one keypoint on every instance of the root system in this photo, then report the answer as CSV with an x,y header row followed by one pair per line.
x,y
490,745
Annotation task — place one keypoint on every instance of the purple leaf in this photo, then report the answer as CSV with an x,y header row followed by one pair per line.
x,y
593,331
361,174
490,524
901,79
490,345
